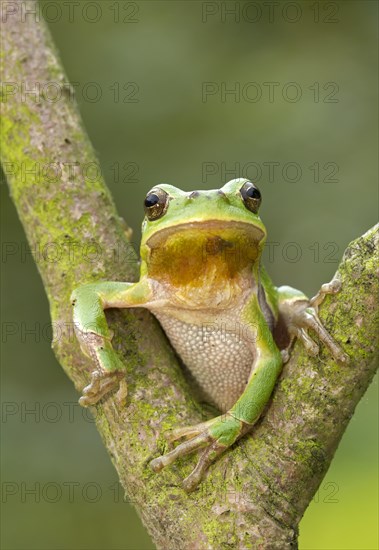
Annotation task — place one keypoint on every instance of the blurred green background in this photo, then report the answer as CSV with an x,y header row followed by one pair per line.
x,y
152,82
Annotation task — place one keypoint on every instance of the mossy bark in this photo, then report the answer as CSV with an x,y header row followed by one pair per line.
x,y
256,494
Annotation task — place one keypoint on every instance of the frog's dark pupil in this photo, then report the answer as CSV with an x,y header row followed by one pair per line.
x,y
253,193
151,200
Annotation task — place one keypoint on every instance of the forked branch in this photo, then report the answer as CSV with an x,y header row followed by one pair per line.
x,y
256,494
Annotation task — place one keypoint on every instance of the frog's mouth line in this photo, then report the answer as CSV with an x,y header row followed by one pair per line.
x,y
217,228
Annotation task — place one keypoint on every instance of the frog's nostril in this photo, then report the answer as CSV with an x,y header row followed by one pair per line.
x,y
223,195
194,194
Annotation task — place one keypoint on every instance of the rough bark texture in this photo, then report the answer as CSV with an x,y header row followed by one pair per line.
x,y
256,494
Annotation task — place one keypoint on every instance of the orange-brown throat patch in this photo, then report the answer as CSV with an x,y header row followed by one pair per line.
x,y
197,255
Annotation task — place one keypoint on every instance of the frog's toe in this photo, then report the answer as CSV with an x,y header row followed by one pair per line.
x,y
187,431
207,457
328,288
183,449
102,382
88,400
122,392
285,353
308,319
309,344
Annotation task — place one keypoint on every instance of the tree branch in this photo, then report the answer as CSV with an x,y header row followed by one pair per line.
x,y
256,494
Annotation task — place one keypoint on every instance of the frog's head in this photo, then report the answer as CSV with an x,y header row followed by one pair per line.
x,y
184,234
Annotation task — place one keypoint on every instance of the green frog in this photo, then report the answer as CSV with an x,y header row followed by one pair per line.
x,y
202,277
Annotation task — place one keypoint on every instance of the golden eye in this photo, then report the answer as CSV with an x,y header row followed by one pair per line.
x,y
251,196
156,203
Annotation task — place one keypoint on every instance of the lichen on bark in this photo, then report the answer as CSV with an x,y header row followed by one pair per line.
x,y
256,494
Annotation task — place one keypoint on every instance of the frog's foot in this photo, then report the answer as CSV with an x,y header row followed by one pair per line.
x,y
307,318
215,436
102,382
109,372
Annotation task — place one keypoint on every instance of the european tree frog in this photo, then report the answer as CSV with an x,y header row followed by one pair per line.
x,y
202,277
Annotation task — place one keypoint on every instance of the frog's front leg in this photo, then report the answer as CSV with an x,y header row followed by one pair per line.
x,y
89,302
301,314
220,433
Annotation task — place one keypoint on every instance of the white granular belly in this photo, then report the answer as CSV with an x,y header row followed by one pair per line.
x,y
216,354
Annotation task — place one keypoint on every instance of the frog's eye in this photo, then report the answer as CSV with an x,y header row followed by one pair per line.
x,y
251,196
156,203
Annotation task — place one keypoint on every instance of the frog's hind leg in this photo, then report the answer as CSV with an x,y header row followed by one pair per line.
x,y
204,438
